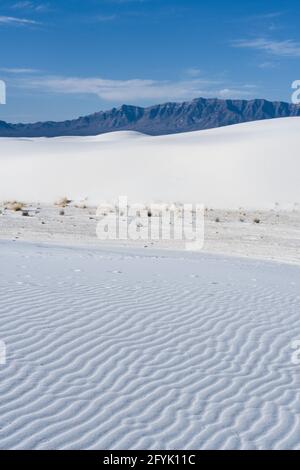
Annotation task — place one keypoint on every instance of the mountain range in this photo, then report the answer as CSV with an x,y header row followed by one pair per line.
x,y
167,118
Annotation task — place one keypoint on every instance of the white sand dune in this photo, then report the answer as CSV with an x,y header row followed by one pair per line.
x,y
253,165
127,350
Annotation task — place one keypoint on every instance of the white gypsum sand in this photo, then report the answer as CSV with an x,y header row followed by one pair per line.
x,y
276,237
115,346
126,349
253,165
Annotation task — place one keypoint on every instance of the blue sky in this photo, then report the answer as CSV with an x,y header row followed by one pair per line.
x,y
61,59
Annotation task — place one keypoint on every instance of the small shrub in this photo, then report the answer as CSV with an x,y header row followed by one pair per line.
x,y
62,212
256,221
217,220
14,206
63,202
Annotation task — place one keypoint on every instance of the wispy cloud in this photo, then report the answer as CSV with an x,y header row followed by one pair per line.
x,y
268,65
33,6
104,18
286,48
13,21
19,71
193,72
135,90
268,16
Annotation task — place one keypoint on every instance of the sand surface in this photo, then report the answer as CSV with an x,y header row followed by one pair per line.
x,y
123,349
276,237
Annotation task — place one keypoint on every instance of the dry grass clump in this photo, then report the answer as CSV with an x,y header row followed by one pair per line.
x,y
63,202
15,206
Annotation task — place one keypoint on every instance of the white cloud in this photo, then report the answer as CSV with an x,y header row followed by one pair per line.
x,y
268,16
268,65
287,48
18,70
104,18
22,5
193,72
28,5
12,20
134,90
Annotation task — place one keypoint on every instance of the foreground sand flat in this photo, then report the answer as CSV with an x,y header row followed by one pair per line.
x,y
131,349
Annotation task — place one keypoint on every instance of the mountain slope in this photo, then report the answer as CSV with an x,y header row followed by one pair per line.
x,y
168,118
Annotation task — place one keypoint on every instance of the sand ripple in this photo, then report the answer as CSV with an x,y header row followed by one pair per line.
x,y
112,350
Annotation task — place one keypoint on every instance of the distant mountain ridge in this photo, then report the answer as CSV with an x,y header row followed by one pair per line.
x,y
167,118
